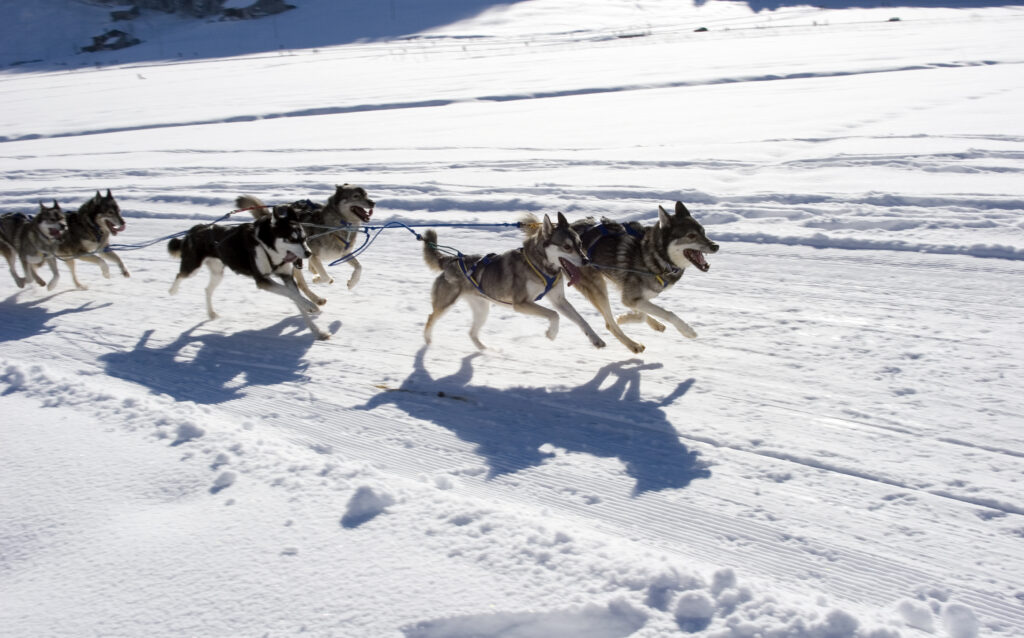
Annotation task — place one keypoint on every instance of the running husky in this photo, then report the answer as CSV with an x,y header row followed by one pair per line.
x,y
643,262
519,278
349,206
89,232
271,245
33,241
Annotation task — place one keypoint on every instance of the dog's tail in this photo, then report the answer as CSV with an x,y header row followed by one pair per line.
x,y
253,205
431,254
174,247
529,224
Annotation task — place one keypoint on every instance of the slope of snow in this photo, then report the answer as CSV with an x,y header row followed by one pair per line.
x,y
837,455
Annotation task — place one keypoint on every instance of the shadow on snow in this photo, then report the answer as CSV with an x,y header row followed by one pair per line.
x,y
24,320
214,368
516,428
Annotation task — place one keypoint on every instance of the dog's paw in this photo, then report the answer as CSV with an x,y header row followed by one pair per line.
x,y
51,285
81,286
654,323
686,330
636,348
323,336
213,315
598,342
21,282
126,274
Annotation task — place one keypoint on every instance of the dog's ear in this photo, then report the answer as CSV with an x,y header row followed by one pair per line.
x,y
548,226
562,221
681,210
56,205
109,196
663,217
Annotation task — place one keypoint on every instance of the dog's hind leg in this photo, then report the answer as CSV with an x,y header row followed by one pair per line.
x,y
442,296
74,275
300,279
216,275
113,258
9,254
480,308
637,316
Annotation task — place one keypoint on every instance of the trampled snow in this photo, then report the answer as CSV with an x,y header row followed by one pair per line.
x,y
837,455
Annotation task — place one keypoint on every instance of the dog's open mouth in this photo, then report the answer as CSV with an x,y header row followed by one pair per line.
x,y
114,229
571,271
696,258
56,232
289,257
361,212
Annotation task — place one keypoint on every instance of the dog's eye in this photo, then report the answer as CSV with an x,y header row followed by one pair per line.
x,y
692,236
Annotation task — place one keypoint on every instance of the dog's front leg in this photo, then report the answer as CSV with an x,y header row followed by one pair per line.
x,y
320,274
646,307
537,310
563,306
52,261
18,279
596,292
30,271
357,270
93,259
113,258
74,275
300,279
288,288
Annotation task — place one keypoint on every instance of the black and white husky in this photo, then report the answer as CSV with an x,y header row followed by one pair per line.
x,y
32,241
643,261
271,246
331,230
88,237
519,278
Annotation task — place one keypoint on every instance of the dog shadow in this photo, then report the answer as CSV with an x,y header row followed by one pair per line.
x,y
24,320
517,428
215,368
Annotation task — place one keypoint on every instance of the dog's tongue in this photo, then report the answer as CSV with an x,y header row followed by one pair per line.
x,y
290,257
115,229
570,270
362,213
55,232
696,257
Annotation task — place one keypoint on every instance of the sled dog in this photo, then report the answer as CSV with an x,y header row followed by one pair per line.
x,y
643,262
88,236
519,278
273,245
33,241
349,206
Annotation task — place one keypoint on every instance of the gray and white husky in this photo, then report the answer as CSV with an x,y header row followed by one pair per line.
x,y
519,278
271,246
33,241
643,261
349,207
89,231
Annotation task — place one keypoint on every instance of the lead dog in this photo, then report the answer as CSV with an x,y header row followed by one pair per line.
x,y
271,246
519,278
349,207
89,231
33,241
643,262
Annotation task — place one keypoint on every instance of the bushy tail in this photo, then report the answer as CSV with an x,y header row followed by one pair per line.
x,y
530,224
174,247
253,205
431,254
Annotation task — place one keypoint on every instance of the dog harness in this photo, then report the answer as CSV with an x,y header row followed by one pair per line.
x,y
470,273
603,231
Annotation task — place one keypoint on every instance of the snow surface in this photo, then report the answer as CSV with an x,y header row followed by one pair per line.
x,y
839,454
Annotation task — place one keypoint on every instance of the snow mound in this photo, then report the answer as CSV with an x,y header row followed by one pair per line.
x,y
367,503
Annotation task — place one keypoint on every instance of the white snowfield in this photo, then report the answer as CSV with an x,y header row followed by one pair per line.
x,y
838,454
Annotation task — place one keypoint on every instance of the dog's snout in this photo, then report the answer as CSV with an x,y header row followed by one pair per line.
x,y
713,248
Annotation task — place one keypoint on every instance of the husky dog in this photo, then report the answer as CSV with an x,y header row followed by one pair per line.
x,y
643,262
349,206
270,246
33,241
89,232
519,278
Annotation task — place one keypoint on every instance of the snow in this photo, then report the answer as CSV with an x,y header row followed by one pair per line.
x,y
837,455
